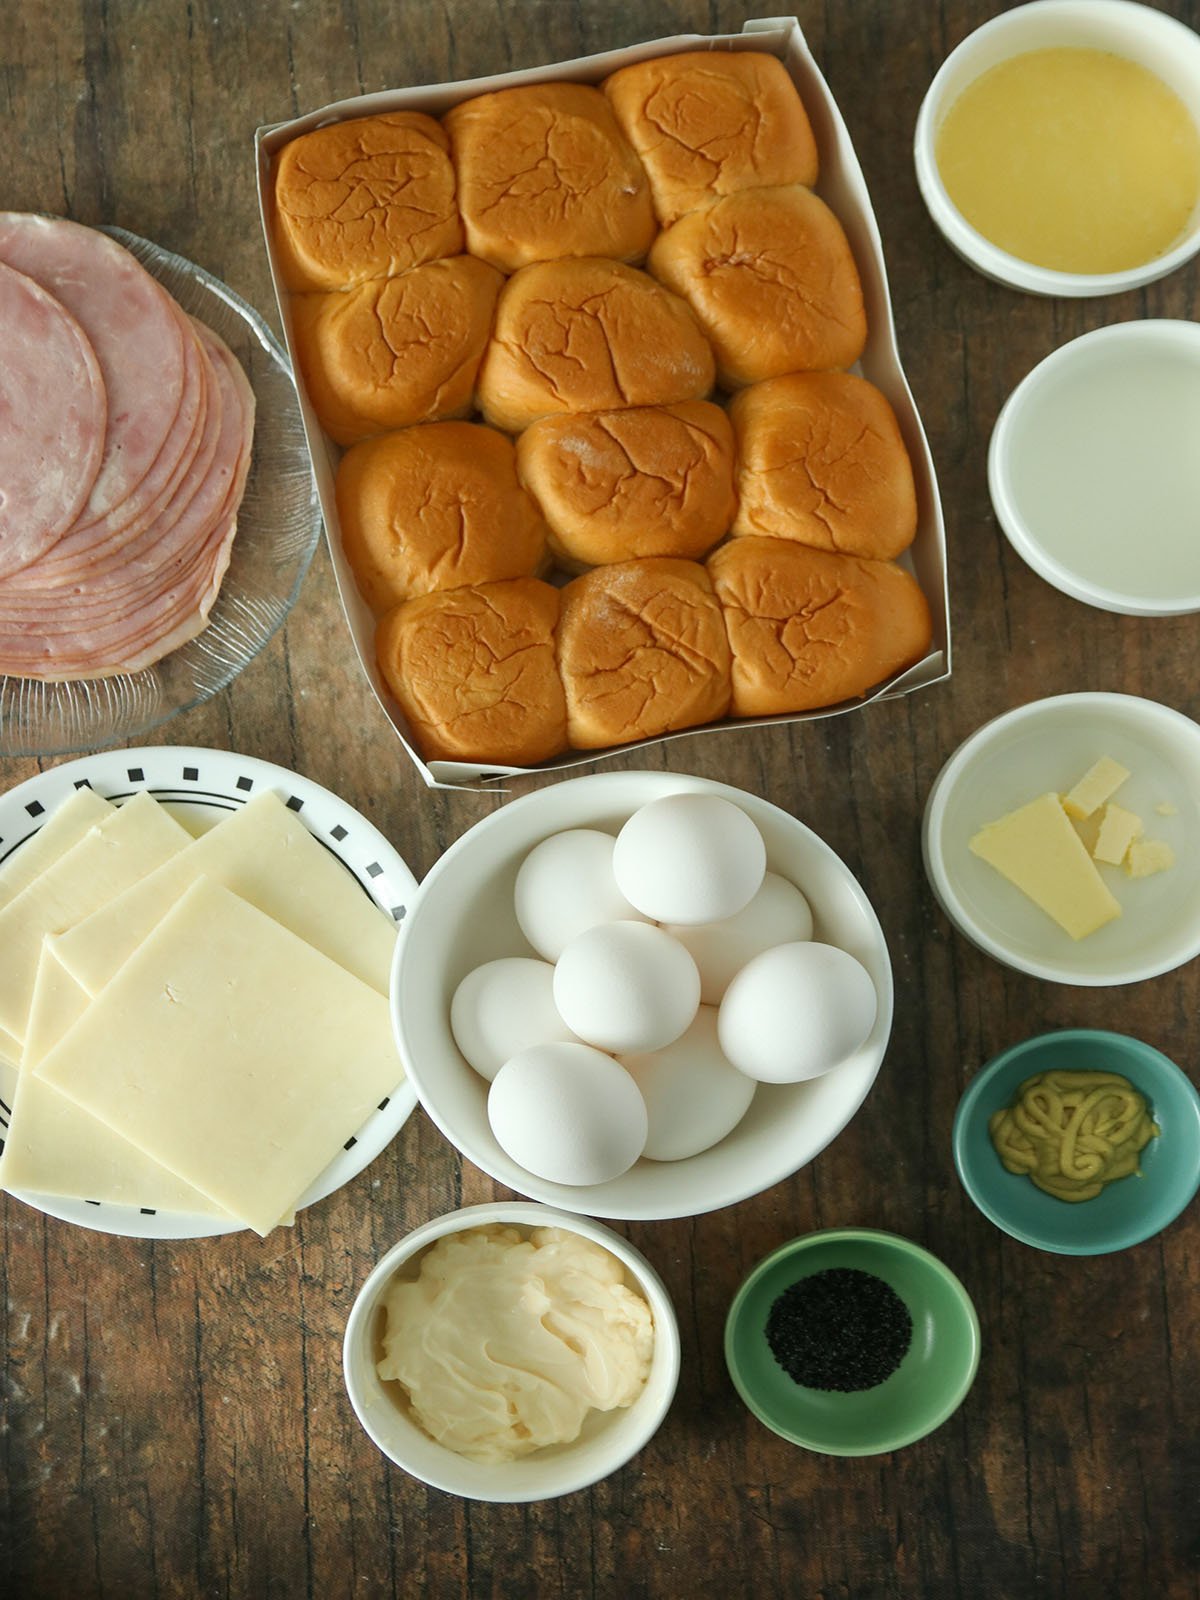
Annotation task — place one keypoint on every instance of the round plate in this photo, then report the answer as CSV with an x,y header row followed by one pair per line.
x,y
279,524
199,787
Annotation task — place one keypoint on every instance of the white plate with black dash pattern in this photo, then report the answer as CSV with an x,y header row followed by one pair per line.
x,y
199,787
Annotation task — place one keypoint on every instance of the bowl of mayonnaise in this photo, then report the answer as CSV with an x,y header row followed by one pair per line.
x,y
511,1352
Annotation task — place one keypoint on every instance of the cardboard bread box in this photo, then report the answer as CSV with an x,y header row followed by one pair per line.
x,y
841,186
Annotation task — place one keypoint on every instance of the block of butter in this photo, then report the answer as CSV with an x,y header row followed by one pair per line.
x,y
1098,784
1037,849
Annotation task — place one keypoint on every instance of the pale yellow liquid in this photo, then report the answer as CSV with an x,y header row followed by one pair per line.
x,y
1075,160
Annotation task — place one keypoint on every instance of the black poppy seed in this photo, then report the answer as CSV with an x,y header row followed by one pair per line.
x,y
841,1329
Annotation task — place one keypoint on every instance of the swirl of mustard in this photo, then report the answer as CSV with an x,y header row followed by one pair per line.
x,y
1073,1132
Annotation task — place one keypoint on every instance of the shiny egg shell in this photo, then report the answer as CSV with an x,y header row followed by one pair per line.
x,y
689,858
778,914
626,986
565,885
568,1114
693,1096
505,1007
796,1012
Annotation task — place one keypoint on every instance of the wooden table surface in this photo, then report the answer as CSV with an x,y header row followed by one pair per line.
x,y
172,1416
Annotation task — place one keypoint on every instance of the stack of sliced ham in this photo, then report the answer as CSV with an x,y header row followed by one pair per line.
x,y
125,438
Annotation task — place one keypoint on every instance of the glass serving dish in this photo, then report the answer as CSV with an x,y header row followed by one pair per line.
x,y
278,527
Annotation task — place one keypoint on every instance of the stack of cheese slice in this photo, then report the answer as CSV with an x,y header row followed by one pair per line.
x,y
200,1024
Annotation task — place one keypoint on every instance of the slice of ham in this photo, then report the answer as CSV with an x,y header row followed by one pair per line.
x,y
127,621
134,328
53,411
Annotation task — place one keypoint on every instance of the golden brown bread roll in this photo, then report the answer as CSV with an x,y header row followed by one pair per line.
x,y
544,172
810,629
642,651
436,507
615,485
474,672
396,351
770,276
711,122
367,198
589,335
821,461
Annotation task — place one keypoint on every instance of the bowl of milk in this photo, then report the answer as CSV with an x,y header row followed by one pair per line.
x,y
1094,468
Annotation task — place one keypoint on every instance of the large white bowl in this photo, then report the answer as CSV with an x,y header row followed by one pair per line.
x,y
1048,745
1157,42
463,916
609,1439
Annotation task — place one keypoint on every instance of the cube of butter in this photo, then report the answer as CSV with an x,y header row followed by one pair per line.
x,y
1118,829
1148,856
1038,850
1098,784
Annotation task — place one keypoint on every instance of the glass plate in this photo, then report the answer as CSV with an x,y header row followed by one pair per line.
x,y
278,527
199,787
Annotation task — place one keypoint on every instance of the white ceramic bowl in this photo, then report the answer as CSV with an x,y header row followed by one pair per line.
x,y
463,916
1094,468
609,1439
1157,42
1049,745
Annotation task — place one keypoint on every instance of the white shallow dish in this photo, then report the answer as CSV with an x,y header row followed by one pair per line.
x,y
609,1439
279,523
1048,745
1094,468
463,916
199,787
1153,40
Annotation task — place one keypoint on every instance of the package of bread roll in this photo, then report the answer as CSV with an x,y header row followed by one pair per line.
x,y
676,194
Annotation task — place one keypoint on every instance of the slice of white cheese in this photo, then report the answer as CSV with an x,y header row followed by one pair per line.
x,y
1038,850
266,856
1118,829
1098,784
111,855
66,826
54,1147
231,1052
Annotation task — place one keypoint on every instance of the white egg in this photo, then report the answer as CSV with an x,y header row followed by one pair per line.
x,y
689,858
626,986
568,1113
505,1007
796,1012
778,914
565,886
693,1096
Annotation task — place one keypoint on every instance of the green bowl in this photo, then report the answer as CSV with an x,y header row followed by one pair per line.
x,y
1125,1212
928,1386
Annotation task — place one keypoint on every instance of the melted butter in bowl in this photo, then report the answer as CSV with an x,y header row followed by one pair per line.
x,y
1058,147
1072,159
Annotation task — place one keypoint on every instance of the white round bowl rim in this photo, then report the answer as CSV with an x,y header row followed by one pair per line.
x,y
939,880
763,1177
978,250
1145,332
530,1214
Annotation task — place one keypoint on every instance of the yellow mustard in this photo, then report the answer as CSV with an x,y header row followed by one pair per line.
x,y
1073,1132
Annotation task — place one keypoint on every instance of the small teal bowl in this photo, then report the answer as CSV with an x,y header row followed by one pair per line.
x,y
1125,1212
930,1383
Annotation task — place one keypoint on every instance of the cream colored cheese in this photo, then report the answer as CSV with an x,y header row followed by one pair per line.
x,y
505,1341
